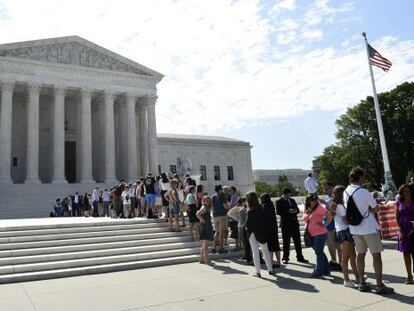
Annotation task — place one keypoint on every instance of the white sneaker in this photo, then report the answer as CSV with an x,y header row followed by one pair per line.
x,y
350,284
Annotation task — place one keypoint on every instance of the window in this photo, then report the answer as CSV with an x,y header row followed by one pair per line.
x,y
230,175
217,172
203,172
173,169
15,161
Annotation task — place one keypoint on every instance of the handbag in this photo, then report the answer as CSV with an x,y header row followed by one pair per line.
x,y
307,237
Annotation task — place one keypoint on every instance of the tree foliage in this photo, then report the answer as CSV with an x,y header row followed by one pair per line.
x,y
358,139
274,190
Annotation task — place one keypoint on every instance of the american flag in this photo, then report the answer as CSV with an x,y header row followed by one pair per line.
x,y
378,60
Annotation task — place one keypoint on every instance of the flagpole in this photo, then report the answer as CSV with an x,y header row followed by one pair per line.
x,y
387,170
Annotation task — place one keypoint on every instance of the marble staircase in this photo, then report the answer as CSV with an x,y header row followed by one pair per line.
x,y
79,246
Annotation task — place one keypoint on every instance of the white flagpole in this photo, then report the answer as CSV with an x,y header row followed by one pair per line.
x,y
387,170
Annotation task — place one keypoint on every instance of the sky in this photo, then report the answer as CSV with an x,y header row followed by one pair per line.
x,y
274,73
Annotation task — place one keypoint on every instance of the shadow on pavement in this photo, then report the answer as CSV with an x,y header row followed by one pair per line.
x,y
293,284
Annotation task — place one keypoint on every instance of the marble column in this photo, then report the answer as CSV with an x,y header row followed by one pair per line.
x,y
143,137
86,136
59,137
6,131
132,138
152,135
109,139
32,155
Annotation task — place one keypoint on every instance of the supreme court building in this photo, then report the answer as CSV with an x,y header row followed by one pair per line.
x,y
72,111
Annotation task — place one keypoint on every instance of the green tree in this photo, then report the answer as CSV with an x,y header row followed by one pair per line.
x,y
283,182
262,187
358,139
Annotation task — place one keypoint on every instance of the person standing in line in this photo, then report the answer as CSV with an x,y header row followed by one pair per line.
x,y
334,247
180,191
220,208
257,232
149,186
106,201
164,186
343,235
314,216
126,201
141,198
288,210
101,207
174,205
233,223
191,201
199,195
75,205
366,234
133,188
86,205
271,227
206,233
243,232
404,213
310,184
95,201
58,208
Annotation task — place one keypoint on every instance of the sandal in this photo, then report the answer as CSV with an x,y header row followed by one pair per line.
x,y
383,290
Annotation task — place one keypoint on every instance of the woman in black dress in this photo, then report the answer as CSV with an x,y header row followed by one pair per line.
x,y
272,228
205,228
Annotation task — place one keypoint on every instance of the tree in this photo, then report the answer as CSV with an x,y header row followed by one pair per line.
x,y
262,187
358,139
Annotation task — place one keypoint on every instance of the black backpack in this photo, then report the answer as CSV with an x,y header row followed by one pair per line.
x,y
353,215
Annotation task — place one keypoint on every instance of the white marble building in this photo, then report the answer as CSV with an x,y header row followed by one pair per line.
x,y
66,106
295,176
215,160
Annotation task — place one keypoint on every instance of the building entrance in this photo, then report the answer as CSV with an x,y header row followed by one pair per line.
x,y
70,161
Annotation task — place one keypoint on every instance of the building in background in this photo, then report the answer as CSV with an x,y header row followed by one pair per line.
x,y
212,160
271,177
74,112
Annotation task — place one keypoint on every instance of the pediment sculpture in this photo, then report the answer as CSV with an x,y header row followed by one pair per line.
x,y
71,53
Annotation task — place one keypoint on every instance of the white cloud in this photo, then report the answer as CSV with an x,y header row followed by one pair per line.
x,y
225,65
288,5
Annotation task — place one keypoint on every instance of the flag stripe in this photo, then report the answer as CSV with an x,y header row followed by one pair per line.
x,y
377,60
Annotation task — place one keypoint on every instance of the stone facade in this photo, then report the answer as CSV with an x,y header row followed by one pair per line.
x,y
271,177
66,106
213,160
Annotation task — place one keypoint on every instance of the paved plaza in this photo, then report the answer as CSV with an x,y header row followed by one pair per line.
x,y
226,285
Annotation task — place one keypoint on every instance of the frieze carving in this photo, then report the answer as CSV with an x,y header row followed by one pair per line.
x,y
72,53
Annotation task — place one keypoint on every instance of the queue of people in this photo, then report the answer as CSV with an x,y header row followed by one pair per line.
x,y
251,221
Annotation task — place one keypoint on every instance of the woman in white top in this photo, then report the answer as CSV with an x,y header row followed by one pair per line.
x,y
343,235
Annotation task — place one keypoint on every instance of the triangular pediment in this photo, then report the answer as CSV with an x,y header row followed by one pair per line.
x,y
74,51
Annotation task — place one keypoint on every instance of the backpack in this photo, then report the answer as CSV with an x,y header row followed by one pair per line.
x,y
353,215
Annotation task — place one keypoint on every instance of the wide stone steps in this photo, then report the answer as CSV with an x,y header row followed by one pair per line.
x,y
58,273
65,247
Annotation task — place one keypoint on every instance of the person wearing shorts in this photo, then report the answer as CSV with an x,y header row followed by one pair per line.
x,y
174,206
149,186
366,234
220,220
343,236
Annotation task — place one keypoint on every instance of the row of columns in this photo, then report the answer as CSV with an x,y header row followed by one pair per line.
x,y
147,138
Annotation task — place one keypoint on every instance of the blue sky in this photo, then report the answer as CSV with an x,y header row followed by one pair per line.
x,y
274,73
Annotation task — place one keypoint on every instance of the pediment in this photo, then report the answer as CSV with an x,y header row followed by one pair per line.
x,y
73,51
